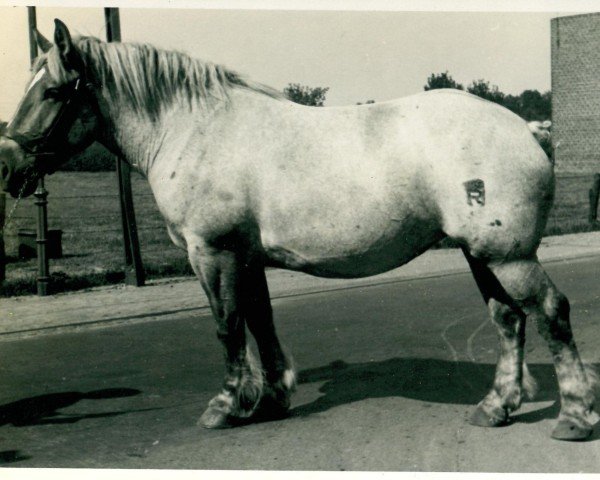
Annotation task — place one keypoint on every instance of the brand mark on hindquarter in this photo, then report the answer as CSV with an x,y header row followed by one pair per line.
x,y
475,191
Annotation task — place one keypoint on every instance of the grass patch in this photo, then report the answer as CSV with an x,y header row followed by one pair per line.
x,y
59,282
85,206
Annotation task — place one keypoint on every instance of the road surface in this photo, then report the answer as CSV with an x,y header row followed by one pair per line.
x,y
388,376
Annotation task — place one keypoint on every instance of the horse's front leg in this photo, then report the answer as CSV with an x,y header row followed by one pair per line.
x,y
279,372
221,275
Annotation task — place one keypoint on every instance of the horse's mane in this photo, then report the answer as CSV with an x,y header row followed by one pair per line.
x,y
151,78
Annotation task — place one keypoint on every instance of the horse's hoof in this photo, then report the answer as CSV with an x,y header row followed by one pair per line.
x,y
497,418
214,418
567,430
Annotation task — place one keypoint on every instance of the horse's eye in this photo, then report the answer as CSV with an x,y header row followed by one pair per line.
x,y
52,93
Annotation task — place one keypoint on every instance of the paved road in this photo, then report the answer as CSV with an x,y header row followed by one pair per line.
x,y
388,376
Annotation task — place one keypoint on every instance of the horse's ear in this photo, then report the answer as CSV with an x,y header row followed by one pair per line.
x,y
42,41
66,49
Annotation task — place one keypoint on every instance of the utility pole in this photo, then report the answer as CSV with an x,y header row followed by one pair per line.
x,y
134,269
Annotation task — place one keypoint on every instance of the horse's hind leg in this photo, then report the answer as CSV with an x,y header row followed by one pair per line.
x,y
279,373
507,391
511,379
576,387
524,287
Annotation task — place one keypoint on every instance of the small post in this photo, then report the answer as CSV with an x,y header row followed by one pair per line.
x,y
134,268
41,194
2,251
41,200
594,194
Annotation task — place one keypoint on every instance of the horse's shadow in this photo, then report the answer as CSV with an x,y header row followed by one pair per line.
x,y
427,380
12,456
44,409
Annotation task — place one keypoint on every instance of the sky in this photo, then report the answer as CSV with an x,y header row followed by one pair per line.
x,y
359,55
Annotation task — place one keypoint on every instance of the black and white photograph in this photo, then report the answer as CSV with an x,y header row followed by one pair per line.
x,y
282,238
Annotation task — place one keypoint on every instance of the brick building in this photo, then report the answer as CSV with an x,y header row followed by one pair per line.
x,y
576,93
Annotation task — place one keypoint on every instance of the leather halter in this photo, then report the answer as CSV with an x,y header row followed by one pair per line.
x,y
48,144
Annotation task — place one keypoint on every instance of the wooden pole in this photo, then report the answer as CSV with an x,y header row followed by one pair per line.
x,y
31,17
41,194
134,268
113,24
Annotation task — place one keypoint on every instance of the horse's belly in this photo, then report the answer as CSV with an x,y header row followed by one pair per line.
x,y
351,259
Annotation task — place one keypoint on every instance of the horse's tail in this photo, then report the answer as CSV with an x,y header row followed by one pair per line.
x,y
540,130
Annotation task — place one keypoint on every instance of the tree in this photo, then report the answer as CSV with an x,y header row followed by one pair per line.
x,y
95,158
535,106
530,105
441,80
483,89
513,103
313,97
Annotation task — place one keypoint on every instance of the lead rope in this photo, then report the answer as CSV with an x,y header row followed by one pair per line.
x,y
15,205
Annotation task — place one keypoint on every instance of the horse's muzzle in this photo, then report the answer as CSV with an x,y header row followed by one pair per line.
x,y
13,166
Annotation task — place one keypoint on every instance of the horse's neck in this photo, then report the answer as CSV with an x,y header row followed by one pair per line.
x,y
141,141
144,143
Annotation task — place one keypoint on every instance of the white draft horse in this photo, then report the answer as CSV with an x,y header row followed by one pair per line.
x,y
246,179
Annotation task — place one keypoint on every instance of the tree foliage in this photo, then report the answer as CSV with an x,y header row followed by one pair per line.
x,y
483,89
95,158
533,105
529,104
305,95
441,80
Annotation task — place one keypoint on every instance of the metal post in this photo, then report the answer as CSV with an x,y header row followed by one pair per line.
x,y
134,268
41,194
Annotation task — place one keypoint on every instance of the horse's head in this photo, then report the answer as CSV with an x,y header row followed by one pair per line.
x,y
56,118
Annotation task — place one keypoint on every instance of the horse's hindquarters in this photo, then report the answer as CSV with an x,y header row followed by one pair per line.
x,y
499,210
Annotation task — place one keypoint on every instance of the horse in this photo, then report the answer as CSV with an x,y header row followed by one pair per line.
x,y
246,179
540,130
